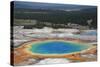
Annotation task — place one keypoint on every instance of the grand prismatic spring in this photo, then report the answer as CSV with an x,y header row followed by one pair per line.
x,y
57,47
48,33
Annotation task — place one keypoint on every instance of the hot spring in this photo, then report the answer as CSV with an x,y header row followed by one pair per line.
x,y
57,47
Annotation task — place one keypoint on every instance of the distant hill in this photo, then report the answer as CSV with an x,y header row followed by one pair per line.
x,y
56,13
49,6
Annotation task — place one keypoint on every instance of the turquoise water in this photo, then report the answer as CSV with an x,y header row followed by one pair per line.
x,y
57,47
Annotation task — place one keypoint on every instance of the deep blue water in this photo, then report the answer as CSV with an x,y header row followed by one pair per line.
x,y
56,47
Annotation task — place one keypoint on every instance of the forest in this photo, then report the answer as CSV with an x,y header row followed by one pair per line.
x,y
58,16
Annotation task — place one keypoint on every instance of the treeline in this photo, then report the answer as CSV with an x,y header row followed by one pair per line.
x,y
58,16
